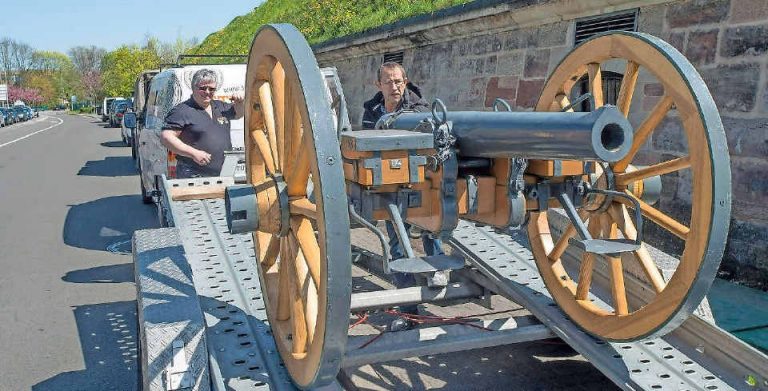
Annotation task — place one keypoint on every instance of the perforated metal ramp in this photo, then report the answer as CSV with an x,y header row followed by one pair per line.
x,y
651,364
242,353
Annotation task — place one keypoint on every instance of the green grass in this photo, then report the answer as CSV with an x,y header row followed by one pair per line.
x,y
318,20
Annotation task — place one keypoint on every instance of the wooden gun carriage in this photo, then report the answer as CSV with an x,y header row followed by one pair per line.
x,y
306,182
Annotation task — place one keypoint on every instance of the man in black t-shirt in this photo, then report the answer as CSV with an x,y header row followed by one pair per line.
x,y
197,130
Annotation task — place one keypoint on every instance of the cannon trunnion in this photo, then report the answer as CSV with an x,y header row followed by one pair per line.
x,y
578,181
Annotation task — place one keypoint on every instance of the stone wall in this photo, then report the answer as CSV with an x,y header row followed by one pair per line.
x,y
470,56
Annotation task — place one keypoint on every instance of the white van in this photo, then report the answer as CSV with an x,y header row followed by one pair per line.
x,y
167,89
105,107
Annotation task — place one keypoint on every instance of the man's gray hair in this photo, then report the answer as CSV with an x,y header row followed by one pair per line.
x,y
204,76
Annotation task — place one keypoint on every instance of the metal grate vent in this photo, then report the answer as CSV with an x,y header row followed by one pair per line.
x,y
589,27
394,57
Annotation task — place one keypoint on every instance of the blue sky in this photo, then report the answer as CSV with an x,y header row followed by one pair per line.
x,y
59,25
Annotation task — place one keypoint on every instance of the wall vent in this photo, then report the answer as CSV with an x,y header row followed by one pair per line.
x,y
393,57
589,27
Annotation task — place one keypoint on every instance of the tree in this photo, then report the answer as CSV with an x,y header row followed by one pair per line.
x,y
26,95
87,61
42,82
16,59
121,67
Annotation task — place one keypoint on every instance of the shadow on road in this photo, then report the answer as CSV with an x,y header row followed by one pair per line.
x,y
101,274
111,166
113,144
108,337
107,223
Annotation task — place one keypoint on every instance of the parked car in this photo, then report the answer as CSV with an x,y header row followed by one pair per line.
x,y
118,109
21,114
29,111
2,119
106,106
9,117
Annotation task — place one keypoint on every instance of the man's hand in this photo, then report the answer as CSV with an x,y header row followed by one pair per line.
x,y
237,97
202,158
237,101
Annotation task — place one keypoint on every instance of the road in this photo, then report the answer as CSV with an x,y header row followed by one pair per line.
x,y
69,204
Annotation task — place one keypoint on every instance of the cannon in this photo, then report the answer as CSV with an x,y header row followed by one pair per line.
x,y
307,184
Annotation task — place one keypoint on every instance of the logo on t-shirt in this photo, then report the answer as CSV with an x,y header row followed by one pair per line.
x,y
222,120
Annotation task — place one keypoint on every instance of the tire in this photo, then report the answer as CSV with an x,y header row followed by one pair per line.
x,y
144,198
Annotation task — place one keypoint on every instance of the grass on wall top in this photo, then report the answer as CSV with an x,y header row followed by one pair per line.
x,y
318,20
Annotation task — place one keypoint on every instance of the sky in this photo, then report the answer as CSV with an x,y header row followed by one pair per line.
x,y
60,25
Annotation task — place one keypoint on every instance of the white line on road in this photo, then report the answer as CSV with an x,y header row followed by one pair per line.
x,y
34,133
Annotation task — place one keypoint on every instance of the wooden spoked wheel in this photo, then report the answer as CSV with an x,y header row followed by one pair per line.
x,y
304,252
700,165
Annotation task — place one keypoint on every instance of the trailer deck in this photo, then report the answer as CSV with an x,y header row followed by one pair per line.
x,y
203,323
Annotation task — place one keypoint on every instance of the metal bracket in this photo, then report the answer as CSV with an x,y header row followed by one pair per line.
x,y
472,199
414,161
177,375
517,209
374,163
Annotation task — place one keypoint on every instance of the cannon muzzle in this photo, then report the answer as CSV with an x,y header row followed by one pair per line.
x,y
603,134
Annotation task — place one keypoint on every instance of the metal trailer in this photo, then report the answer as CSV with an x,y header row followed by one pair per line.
x,y
203,323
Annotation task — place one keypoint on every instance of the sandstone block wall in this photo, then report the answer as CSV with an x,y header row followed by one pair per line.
x,y
507,49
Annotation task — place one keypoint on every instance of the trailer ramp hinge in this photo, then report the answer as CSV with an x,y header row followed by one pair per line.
x,y
177,375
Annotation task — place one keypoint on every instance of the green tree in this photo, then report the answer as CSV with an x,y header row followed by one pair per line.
x,y
43,83
58,69
120,67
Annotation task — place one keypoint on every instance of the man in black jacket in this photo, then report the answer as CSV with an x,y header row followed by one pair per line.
x,y
396,93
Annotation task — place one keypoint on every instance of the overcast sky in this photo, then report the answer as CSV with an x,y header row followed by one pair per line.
x,y
59,25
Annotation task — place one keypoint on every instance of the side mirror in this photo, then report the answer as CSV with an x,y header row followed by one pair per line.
x,y
129,120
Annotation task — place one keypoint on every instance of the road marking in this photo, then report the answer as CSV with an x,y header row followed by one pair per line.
x,y
61,121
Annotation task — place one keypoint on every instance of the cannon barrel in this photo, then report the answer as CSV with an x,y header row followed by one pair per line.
x,y
603,134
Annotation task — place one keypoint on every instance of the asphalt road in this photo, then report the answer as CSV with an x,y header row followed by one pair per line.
x,y
68,208
69,204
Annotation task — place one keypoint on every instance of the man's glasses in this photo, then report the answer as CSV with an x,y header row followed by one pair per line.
x,y
396,82
207,89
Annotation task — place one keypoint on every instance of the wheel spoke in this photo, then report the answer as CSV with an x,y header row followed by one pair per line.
x,y
298,319
289,122
664,221
268,110
618,290
646,128
562,243
284,282
620,215
596,84
297,182
654,170
627,89
305,236
277,82
262,145
273,249
587,262
302,206
307,290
